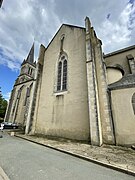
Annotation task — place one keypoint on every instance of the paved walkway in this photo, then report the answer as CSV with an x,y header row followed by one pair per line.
x,y
23,160
116,157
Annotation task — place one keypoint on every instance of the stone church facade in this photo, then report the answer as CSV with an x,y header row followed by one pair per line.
x,y
74,91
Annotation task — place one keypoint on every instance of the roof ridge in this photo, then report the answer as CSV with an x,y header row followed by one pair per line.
x,y
120,51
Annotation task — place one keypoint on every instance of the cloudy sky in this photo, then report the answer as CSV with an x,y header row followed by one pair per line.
x,y
25,21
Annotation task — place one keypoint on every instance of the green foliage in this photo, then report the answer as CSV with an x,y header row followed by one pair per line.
x,y
3,106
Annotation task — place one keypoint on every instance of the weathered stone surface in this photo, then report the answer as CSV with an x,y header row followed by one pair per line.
x,y
122,157
126,82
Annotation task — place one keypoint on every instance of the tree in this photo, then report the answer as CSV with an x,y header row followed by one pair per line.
x,y
3,106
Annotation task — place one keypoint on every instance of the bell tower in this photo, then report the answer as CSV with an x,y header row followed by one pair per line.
x,y
27,68
21,97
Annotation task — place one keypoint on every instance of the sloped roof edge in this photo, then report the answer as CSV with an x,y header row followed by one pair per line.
x,y
120,51
72,26
126,82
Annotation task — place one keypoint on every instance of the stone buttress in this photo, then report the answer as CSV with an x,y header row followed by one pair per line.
x,y
101,127
36,92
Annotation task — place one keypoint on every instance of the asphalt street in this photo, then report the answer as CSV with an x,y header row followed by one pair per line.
x,y
23,160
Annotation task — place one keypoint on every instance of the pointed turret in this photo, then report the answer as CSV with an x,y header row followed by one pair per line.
x,y
30,57
87,24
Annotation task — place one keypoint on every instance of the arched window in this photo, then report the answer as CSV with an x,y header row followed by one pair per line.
x,y
28,91
64,85
27,95
62,74
19,92
28,70
133,102
59,76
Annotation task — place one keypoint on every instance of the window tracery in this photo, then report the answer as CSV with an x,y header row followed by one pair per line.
x,y
62,74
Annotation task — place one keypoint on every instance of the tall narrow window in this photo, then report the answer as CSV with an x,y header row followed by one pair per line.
x,y
133,102
28,91
31,72
59,76
62,42
28,70
19,92
64,85
27,95
62,74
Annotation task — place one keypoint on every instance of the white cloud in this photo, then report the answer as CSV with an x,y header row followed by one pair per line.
x,y
118,34
23,21
7,96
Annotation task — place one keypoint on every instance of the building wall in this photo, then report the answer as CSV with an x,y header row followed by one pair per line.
x,y
120,59
19,110
103,99
113,75
123,116
19,103
84,111
65,114
37,89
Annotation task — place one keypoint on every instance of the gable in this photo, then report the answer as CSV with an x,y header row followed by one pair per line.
x,y
65,28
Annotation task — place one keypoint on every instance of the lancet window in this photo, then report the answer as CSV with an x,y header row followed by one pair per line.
x,y
62,74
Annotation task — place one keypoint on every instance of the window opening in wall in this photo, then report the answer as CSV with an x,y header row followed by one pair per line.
x,y
133,102
19,94
62,42
59,76
62,74
13,110
28,91
64,85
27,95
29,70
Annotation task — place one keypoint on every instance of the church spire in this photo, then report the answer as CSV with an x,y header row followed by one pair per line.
x,y
30,57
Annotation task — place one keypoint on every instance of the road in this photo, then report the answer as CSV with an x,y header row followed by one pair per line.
x,y
23,160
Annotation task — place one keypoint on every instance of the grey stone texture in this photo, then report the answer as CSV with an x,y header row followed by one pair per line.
x,y
92,107
31,161
123,158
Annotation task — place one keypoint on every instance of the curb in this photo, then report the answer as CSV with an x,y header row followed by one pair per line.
x,y
107,165
3,175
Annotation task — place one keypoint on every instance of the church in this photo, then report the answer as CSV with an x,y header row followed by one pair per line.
x,y
74,91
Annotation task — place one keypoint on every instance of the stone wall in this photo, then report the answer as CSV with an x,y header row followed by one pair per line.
x,y
123,116
64,114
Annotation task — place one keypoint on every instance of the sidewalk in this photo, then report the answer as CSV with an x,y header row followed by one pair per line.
x,y
116,157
